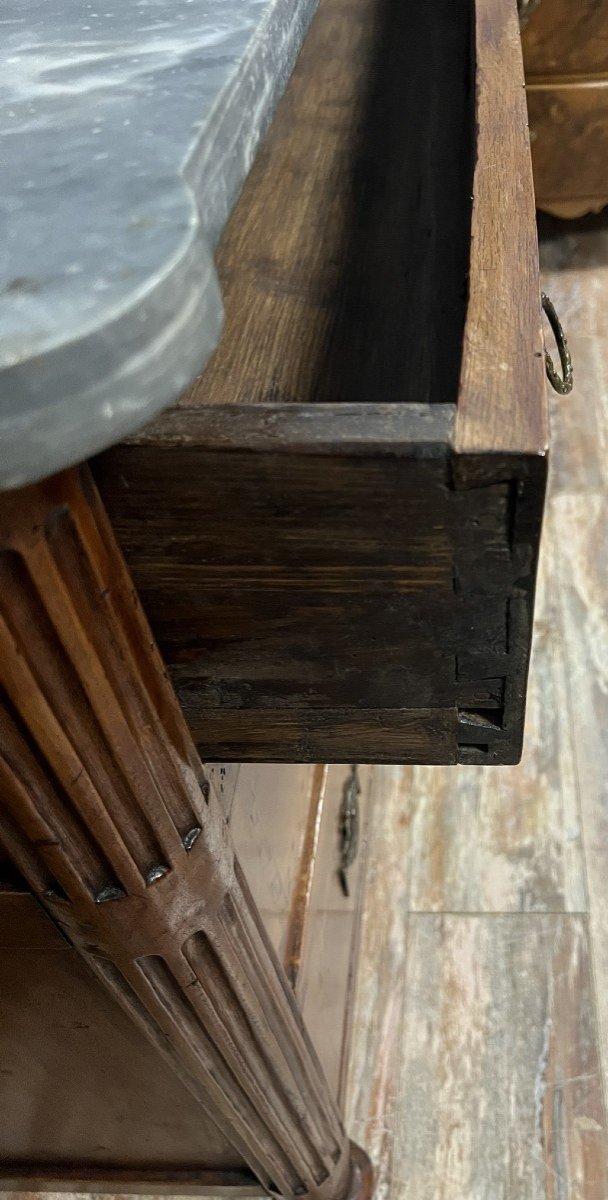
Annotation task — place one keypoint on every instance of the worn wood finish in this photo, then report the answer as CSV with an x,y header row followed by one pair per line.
x,y
499,1007
307,866
285,825
582,562
566,60
110,1184
569,137
109,816
475,1069
501,401
574,258
393,597
230,1185
561,38
343,267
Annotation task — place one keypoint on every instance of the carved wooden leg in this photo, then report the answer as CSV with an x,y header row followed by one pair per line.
x,y
107,812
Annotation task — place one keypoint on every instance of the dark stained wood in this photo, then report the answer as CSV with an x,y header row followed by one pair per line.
x,y
502,398
409,430
109,816
383,734
344,265
314,608
565,38
25,926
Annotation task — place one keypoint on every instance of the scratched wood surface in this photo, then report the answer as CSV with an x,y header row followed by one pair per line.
x,y
575,262
583,521
501,400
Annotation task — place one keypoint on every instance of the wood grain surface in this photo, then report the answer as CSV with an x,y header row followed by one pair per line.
x,y
583,565
361,587
562,38
489,1013
109,816
569,139
501,403
343,267
574,260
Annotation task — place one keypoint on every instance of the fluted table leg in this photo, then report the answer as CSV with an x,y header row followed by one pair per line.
x,y
106,810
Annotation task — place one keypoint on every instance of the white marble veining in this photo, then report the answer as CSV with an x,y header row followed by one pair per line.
x,y
126,130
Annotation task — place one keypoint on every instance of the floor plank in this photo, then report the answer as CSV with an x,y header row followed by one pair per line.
x,y
574,258
583,589
475,1070
500,1093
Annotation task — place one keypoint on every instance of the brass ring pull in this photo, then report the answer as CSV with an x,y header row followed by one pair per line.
x,y
561,383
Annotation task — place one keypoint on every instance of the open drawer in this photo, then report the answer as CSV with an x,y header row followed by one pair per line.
x,y
335,532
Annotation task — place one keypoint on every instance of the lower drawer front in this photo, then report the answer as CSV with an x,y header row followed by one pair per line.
x,y
569,137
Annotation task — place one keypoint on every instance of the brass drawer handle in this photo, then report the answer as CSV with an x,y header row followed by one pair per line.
x,y
561,383
349,827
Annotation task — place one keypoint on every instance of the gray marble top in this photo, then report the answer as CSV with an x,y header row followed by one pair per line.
x,y
126,130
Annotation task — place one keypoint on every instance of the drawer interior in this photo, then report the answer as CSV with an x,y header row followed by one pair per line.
x,y
334,533
344,265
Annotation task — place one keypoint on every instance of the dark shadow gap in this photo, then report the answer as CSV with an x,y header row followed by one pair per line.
x,y
401,300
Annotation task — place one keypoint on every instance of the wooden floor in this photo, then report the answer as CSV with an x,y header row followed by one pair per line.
x,y
480,1058
479,1066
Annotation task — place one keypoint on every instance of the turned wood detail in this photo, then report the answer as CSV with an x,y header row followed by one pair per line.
x,y
108,813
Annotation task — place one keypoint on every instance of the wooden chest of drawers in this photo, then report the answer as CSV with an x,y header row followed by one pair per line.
x,y
335,533
334,536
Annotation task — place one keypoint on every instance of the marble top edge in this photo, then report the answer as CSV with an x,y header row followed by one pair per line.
x,y
124,150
